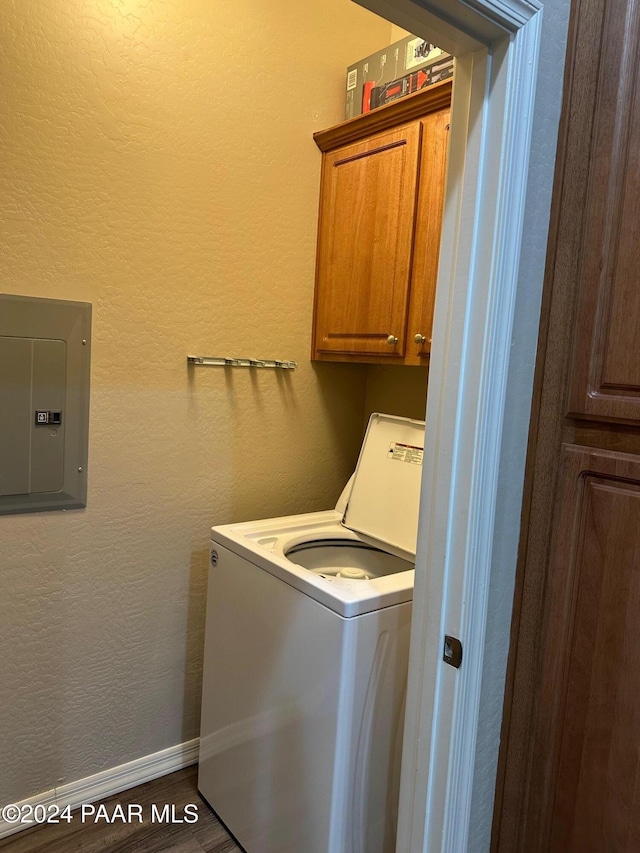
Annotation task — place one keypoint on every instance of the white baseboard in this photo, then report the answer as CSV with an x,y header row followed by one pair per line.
x,y
113,781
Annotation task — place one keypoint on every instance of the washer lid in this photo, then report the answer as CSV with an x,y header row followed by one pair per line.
x,y
384,501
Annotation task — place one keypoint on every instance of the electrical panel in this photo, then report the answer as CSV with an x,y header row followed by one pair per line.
x,y
45,347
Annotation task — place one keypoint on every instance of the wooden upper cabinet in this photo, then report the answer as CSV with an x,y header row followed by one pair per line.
x,y
605,380
379,228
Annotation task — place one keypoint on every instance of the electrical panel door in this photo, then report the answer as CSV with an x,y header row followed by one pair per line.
x,y
44,403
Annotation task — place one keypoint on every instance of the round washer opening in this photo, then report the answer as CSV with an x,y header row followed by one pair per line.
x,y
330,556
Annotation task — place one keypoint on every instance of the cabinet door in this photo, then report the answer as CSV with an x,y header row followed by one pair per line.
x,y
367,210
426,249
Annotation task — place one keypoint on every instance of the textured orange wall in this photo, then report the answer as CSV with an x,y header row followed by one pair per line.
x,y
157,161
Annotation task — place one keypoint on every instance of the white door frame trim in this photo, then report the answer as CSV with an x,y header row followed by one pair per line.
x,y
496,43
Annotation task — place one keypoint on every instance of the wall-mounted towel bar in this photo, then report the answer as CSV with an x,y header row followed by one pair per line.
x,y
221,361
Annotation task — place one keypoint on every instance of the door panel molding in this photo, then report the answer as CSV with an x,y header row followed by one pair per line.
x,y
606,357
579,766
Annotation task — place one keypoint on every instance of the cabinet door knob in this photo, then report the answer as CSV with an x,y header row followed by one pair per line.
x,y
420,339
392,340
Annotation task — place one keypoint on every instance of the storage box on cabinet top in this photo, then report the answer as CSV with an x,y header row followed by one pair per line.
x,y
369,81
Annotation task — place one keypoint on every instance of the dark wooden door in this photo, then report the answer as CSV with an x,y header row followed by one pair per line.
x,y
569,778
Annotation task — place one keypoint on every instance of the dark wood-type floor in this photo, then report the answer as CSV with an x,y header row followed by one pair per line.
x,y
177,789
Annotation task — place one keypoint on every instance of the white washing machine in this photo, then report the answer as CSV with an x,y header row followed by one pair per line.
x,y
305,665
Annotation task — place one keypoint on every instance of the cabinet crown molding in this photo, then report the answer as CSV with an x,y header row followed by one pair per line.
x,y
405,109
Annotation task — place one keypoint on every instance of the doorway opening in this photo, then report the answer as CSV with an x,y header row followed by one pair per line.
x,y
465,461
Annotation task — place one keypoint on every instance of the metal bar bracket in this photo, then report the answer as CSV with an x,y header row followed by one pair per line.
x,y
223,361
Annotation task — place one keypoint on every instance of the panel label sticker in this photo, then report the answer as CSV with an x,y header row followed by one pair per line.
x,y
405,453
